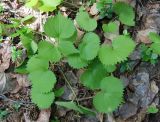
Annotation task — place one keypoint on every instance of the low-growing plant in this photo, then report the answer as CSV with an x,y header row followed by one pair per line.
x,y
3,114
99,60
152,109
150,53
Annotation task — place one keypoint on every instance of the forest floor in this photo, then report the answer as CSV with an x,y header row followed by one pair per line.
x,y
141,78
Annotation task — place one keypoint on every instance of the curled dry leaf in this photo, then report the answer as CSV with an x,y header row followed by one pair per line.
x,y
5,52
94,10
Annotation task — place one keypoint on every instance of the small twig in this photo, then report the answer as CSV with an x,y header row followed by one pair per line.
x,y
14,101
68,82
71,4
86,98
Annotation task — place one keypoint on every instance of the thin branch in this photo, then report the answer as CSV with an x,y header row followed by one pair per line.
x,y
86,98
71,4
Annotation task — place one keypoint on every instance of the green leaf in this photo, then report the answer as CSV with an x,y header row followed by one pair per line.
x,y
155,46
93,75
120,49
85,22
112,84
152,109
89,46
28,43
35,63
71,39
28,19
43,101
59,27
31,3
43,5
125,12
59,92
42,81
110,27
48,51
22,69
52,3
69,105
76,61
110,68
87,110
154,37
67,48
72,105
46,8
107,100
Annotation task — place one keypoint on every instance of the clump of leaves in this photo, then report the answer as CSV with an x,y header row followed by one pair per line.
x,y
148,55
43,5
151,52
3,114
127,66
98,60
152,109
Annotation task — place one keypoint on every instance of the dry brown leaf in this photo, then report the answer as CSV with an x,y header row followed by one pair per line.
x,y
5,53
22,81
93,10
44,115
142,36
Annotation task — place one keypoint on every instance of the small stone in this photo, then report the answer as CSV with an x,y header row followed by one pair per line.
x,y
140,84
68,94
89,119
71,77
136,55
127,110
154,87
